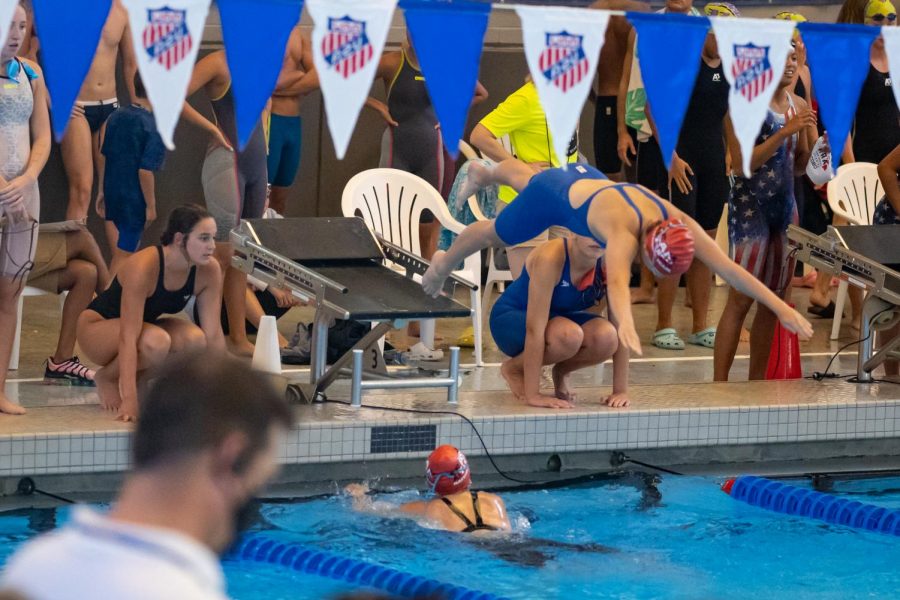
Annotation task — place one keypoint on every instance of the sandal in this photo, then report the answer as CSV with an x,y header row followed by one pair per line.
x,y
668,339
704,337
824,312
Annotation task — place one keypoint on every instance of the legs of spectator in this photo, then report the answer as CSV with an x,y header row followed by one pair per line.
x,y
234,292
81,244
9,306
761,333
728,333
255,313
644,293
77,155
79,278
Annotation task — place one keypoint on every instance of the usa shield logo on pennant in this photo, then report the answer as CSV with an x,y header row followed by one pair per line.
x,y
166,36
751,70
346,47
563,61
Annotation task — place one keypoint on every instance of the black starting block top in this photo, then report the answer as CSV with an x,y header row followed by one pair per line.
x,y
345,251
879,243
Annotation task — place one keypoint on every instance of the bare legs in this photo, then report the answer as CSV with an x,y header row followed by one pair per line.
x,y
99,338
78,150
234,291
728,334
79,278
568,347
9,306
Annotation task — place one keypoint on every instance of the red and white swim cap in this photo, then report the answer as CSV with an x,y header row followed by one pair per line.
x,y
670,247
447,471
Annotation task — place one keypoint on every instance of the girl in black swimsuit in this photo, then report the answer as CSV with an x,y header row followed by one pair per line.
x,y
124,330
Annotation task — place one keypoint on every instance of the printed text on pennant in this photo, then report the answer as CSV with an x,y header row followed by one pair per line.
x,y
751,70
563,61
166,36
346,47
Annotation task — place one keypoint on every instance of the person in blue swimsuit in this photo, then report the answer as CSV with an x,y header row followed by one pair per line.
x,y
125,328
626,219
542,319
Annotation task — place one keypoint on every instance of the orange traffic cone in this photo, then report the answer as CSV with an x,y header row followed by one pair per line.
x,y
784,355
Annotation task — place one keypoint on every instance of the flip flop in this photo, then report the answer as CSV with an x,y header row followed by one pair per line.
x,y
704,337
823,312
668,339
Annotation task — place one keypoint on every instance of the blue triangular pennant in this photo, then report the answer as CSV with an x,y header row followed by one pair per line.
x,y
255,54
448,38
838,57
668,47
69,33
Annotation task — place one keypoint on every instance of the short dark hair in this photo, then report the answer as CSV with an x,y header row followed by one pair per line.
x,y
139,90
196,403
182,219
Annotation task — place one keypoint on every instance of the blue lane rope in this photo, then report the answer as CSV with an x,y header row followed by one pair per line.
x,y
792,500
262,549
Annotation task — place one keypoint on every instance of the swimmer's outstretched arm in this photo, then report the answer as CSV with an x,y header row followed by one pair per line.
x,y
619,397
706,250
362,502
621,248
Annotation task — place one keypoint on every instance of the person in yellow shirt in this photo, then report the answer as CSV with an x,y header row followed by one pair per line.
x,y
521,119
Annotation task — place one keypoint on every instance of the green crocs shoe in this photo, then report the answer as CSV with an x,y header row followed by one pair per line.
x,y
668,339
704,337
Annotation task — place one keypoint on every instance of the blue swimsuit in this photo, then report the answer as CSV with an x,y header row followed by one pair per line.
x,y
545,202
508,314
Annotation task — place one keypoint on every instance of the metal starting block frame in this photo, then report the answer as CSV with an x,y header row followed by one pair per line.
x,y
352,245
831,254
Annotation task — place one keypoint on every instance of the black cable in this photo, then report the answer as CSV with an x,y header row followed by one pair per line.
x,y
819,376
484,446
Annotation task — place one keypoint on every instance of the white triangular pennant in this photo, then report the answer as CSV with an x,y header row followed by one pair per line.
x,y
7,7
347,39
891,37
166,38
562,46
753,53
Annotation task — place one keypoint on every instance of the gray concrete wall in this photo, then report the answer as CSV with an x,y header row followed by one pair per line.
x,y
317,190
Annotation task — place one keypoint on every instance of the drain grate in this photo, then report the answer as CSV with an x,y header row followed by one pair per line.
x,y
403,438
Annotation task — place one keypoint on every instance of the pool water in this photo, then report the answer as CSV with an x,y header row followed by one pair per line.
x,y
604,542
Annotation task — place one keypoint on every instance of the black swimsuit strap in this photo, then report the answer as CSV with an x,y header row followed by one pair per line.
x,y
470,526
479,522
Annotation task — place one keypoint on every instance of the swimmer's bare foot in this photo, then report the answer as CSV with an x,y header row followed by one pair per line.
x,y
514,379
545,401
641,296
477,177
108,390
434,277
9,407
240,347
561,385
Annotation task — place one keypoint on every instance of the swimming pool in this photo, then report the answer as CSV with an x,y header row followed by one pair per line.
x,y
696,543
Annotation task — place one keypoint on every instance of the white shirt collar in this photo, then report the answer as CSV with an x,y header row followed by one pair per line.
x,y
163,544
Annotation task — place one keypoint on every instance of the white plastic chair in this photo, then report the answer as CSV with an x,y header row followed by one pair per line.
x,y
495,275
391,203
17,340
852,194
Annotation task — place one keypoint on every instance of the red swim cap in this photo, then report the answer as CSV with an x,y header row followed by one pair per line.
x,y
447,471
670,247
